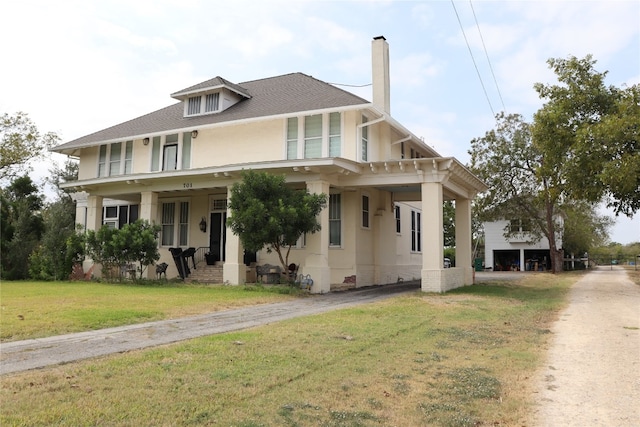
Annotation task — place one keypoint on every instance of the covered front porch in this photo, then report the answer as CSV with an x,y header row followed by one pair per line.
x,y
191,207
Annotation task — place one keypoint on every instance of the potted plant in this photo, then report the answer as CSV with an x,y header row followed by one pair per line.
x,y
210,258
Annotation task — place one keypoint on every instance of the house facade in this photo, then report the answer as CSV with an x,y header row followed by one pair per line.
x,y
517,252
175,167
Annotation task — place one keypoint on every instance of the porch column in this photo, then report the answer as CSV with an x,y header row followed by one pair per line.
x,y
234,272
317,260
464,243
94,212
149,206
93,222
431,225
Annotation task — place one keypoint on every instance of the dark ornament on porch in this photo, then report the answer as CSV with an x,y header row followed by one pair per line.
x,y
203,225
210,258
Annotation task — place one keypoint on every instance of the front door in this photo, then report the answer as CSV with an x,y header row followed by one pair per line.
x,y
218,234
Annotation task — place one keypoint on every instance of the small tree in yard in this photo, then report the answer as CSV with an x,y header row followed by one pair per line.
x,y
266,212
134,243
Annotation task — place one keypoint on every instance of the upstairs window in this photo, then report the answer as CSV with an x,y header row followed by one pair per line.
x,y
171,152
335,135
114,160
313,137
365,141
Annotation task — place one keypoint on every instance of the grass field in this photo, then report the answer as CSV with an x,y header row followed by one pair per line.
x,y
459,359
40,309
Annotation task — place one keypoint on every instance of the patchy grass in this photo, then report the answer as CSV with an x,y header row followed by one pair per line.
x,y
40,309
459,359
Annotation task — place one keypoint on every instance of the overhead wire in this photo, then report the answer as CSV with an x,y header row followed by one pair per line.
x,y
487,55
473,58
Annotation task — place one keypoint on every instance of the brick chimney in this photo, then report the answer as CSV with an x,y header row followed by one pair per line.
x,y
380,69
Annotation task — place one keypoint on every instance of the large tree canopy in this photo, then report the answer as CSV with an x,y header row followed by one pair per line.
x,y
21,142
581,147
267,212
592,132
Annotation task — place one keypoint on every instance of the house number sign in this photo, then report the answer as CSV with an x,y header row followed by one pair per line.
x,y
187,185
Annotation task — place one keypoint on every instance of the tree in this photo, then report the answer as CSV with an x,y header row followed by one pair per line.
x,y
594,130
519,187
267,212
584,229
20,143
53,259
23,218
116,248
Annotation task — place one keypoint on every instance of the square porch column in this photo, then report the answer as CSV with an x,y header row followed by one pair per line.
x,y
94,222
464,241
234,272
433,277
317,261
149,206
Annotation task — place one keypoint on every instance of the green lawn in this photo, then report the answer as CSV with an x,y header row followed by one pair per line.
x,y
464,358
39,309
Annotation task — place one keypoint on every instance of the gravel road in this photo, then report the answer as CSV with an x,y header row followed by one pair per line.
x,y
592,373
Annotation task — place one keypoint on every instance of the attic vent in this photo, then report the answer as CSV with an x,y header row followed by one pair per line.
x,y
194,105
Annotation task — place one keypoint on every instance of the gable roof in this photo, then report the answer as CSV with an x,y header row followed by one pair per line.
x,y
280,95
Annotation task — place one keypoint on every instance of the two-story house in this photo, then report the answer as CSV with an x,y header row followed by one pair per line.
x,y
386,187
518,250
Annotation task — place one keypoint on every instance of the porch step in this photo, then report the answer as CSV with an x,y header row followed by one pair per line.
x,y
206,274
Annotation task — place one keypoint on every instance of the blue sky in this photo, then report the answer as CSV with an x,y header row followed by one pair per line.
x,y
80,66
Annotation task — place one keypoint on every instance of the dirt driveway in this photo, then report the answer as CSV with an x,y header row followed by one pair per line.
x,y
592,373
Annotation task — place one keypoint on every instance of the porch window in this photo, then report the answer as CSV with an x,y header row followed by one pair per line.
x,y
397,213
365,211
118,216
335,221
416,242
172,230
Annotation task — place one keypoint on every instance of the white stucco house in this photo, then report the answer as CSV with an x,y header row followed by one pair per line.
x,y
518,252
386,187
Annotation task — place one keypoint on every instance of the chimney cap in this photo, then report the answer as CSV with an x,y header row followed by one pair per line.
x,y
379,38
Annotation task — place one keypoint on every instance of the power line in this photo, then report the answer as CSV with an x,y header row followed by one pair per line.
x,y
487,55
472,58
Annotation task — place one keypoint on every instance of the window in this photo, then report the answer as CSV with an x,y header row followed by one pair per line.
x,y
397,212
102,161
313,136
292,138
114,159
365,140
186,150
335,223
171,231
170,153
365,211
335,137
120,161
118,216
194,105
416,245
212,102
